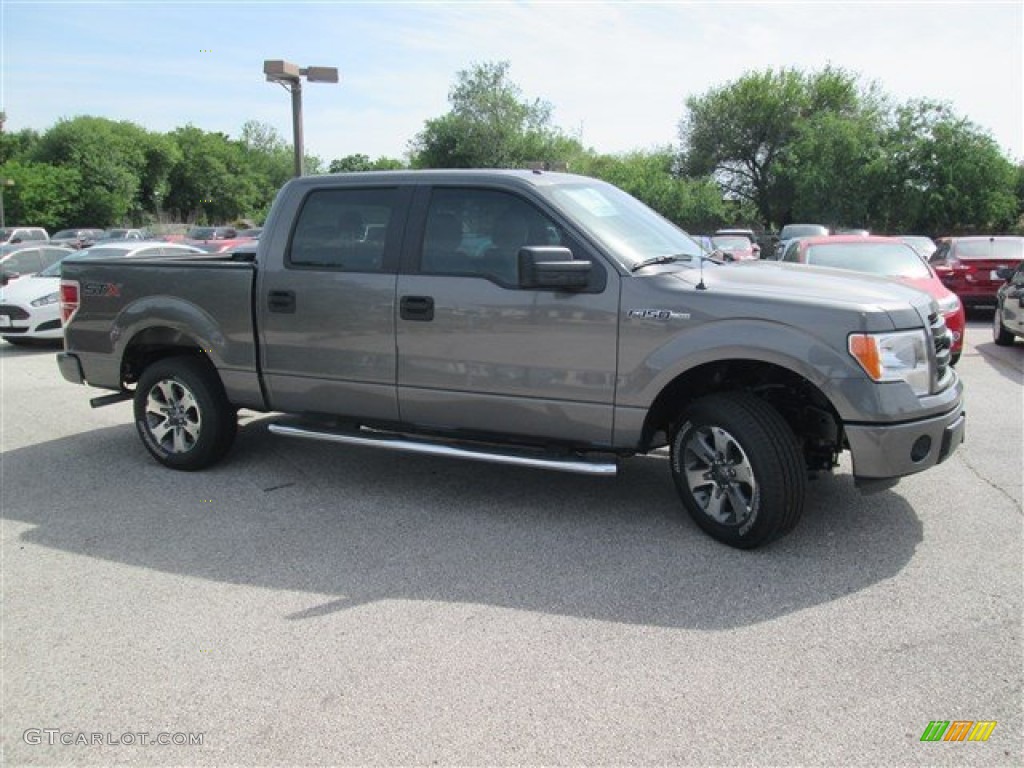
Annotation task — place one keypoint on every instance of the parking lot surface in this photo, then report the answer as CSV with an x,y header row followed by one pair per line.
x,y
312,604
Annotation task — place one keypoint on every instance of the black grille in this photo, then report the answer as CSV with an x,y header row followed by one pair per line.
x,y
943,341
15,313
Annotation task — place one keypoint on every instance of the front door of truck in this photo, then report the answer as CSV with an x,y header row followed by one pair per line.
x,y
327,316
479,354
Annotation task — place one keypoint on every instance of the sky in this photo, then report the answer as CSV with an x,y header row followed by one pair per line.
x,y
617,74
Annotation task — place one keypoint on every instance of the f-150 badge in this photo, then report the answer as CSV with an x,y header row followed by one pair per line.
x,y
657,314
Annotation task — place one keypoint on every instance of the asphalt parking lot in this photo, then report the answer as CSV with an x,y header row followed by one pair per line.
x,y
311,604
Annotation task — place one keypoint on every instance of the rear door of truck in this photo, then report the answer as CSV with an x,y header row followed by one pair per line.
x,y
326,300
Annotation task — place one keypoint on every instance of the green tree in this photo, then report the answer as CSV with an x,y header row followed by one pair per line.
x,y
18,145
944,175
212,182
739,133
43,195
490,125
111,160
360,162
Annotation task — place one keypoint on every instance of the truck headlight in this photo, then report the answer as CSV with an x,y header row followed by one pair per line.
x,y
50,298
901,356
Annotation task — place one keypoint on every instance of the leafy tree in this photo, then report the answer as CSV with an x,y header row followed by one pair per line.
x,y
18,145
110,158
832,169
212,182
944,175
360,162
739,133
490,125
43,195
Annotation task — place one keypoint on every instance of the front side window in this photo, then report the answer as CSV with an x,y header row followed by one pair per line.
x,y
478,233
343,229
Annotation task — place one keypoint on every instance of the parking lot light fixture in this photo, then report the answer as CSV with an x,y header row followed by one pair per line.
x,y
290,77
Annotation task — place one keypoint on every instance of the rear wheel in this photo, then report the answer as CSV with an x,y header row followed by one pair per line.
x,y
1000,335
738,469
183,415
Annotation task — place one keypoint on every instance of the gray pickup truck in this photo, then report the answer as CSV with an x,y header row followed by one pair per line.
x,y
530,318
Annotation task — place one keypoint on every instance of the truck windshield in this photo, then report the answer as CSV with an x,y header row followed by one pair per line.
x,y
627,228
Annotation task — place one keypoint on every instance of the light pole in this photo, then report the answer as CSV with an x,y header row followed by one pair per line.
x,y
290,77
4,183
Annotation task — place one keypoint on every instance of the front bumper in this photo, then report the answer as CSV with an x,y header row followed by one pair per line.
x,y
882,451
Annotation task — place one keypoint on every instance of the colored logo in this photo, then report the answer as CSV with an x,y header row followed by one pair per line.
x,y
958,730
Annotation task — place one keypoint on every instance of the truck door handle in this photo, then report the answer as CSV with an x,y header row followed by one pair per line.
x,y
417,308
281,301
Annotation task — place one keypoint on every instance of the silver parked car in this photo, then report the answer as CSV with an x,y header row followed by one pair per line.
x,y
1008,320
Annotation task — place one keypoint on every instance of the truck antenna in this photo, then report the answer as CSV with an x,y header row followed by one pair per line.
x,y
700,285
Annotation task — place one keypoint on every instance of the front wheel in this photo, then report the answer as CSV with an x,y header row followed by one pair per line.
x,y
182,414
738,469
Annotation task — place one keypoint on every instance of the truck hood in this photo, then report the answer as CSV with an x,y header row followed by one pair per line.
x,y
815,285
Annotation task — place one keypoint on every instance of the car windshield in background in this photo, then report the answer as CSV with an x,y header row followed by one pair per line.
x,y
201,233
731,241
1010,249
65,234
888,259
99,252
791,231
622,224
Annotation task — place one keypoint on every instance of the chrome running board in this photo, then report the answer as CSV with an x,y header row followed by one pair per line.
x,y
397,442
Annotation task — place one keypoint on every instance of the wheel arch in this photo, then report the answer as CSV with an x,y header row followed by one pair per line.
x,y
802,404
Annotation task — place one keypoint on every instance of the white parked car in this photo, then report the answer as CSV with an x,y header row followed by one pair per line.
x,y
30,307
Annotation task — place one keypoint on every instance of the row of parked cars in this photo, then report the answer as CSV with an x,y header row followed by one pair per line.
x,y
961,273
30,267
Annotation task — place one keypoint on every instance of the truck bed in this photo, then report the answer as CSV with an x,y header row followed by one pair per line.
x,y
203,305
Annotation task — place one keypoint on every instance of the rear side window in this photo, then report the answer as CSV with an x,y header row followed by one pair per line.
x,y
478,232
343,229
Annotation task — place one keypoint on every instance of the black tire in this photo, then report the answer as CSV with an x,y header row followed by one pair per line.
x,y
954,358
186,392
1000,335
738,469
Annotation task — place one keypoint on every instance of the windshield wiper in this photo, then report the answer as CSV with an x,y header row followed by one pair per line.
x,y
660,260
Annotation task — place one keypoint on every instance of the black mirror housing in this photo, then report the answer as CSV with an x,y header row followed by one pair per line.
x,y
553,267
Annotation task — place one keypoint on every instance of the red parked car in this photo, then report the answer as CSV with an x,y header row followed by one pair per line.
x,y
736,247
886,257
969,266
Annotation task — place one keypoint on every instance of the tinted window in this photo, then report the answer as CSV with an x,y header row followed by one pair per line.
x,y
344,229
479,232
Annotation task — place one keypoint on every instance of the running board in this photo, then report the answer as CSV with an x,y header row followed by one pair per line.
x,y
396,442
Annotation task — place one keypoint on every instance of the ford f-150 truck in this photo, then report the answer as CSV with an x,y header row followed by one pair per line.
x,y
530,318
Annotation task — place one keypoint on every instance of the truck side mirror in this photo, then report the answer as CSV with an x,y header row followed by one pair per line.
x,y
552,266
